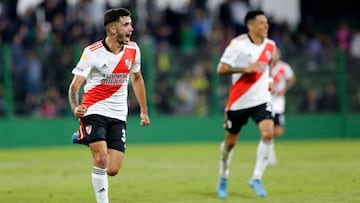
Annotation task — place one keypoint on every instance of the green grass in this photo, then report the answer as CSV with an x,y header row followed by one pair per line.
x,y
308,172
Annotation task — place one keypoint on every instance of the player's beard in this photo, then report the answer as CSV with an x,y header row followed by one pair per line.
x,y
120,38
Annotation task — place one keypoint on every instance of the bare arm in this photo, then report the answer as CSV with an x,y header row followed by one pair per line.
x,y
73,96
226,69
138,85
289,83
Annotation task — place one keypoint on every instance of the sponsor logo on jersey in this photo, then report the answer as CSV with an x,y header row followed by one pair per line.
x,y
115,79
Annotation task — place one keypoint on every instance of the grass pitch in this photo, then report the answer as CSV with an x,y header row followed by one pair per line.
x,y
307,172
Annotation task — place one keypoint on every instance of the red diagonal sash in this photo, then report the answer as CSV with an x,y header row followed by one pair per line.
x,y
103,91
279,73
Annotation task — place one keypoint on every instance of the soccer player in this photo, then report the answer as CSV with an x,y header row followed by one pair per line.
x,y
247,60
284,78
105,69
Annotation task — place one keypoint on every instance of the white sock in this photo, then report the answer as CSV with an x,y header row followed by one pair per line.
x,y
272,154
100,184
225,159
262,156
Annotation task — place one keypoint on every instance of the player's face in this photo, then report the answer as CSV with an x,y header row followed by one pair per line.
x,y
124,30
260,26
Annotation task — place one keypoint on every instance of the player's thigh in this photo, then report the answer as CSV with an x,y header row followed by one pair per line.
x,y
99,153
94,128
231,138
235,120
279,123
278,130
266,128
116,136
261,112
263,118
279,119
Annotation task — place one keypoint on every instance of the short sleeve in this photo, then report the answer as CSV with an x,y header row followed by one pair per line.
x,y
84,65
234,55
289,72
229,56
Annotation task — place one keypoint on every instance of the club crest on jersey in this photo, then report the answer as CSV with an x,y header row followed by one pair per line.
x,y
88,129
128,63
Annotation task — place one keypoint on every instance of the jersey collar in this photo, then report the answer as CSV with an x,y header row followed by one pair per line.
x,y
107,47
252,41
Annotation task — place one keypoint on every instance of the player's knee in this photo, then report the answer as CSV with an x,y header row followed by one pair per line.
x,y
101,161
230,143
112,172
267,135
231,139
278,131
277,134
113,169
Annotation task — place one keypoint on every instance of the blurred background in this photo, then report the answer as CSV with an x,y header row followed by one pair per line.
x,y
181,42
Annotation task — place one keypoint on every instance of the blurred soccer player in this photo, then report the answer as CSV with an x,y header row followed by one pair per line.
x,y
104,69
284,79
247,59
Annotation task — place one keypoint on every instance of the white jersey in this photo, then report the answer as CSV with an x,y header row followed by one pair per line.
x,y
107,77
248,90
281,73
